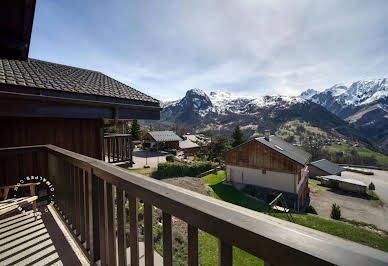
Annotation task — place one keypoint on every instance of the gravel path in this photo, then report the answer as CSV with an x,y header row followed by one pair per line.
x,y
352,207
191,183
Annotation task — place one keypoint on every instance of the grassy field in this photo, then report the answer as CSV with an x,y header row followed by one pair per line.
x,y
317,184
340,229
295,131
361,151
230,194
208,255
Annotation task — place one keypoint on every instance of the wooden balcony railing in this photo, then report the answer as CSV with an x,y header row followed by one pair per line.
x,y
91,196
118,148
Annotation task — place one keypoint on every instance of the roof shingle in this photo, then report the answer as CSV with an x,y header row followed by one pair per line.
x,y
287,149
51,76
164,136
328,166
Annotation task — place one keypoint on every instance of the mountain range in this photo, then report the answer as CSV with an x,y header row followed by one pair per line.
x,y
363,104
357,111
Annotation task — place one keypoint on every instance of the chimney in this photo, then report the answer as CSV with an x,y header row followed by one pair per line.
x,y
267,133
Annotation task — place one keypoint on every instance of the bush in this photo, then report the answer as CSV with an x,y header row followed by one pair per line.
x,y
111,130
335,212
170,158
173,152
311,209
175,169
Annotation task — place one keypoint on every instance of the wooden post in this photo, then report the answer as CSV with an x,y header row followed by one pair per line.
x,y
148,235
192,245
225,254
167,239
121,222
133,223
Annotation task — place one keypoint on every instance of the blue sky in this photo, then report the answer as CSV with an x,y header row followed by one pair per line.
x,y
164,48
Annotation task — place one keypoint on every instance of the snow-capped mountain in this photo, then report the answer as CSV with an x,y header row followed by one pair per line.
x,y
223,111
362,103
353,94
307,94
220,102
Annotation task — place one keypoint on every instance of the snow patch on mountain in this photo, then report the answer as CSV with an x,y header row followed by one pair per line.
x,y
307,94
221,102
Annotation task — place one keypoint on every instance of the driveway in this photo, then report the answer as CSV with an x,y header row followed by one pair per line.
x,y
352,206
141,158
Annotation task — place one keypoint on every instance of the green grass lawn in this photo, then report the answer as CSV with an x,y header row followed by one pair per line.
x,y
230,194
213,179
317,184
208,255
340,229
361,151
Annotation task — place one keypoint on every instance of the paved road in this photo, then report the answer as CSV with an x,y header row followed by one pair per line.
x,y
140,158
380,179
353,207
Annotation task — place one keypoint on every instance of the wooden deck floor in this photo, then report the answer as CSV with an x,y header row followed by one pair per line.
x,y
24,241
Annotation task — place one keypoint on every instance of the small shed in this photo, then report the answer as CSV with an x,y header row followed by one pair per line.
x,y
324,167
344,183
161,140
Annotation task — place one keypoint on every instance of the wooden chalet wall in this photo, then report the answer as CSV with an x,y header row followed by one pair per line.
x,y
148,138
78,135
257,156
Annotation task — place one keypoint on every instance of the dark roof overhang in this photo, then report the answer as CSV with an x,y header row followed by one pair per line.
x,y
30,105
16,19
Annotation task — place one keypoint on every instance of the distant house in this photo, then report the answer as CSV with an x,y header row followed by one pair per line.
x,y
197,138
188,146
273,164
161,140
324,167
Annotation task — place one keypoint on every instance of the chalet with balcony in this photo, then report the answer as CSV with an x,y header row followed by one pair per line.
x,y
51,127
272,164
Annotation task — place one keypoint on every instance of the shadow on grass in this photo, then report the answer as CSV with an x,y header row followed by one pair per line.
x,y
230,194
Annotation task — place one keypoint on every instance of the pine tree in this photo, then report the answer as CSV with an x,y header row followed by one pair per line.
x,y
135,130
238,136
218,147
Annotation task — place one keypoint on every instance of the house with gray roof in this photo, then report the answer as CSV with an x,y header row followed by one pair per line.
x,y
324,167
188,146
160,140
272,165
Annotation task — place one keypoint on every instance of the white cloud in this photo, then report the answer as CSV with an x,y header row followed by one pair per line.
x,y
248,47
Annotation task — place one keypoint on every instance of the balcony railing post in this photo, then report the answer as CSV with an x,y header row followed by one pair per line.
x,y
167,239
133,237
95,217
225,254
102,221
111,227
192,245
121,222
148,235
